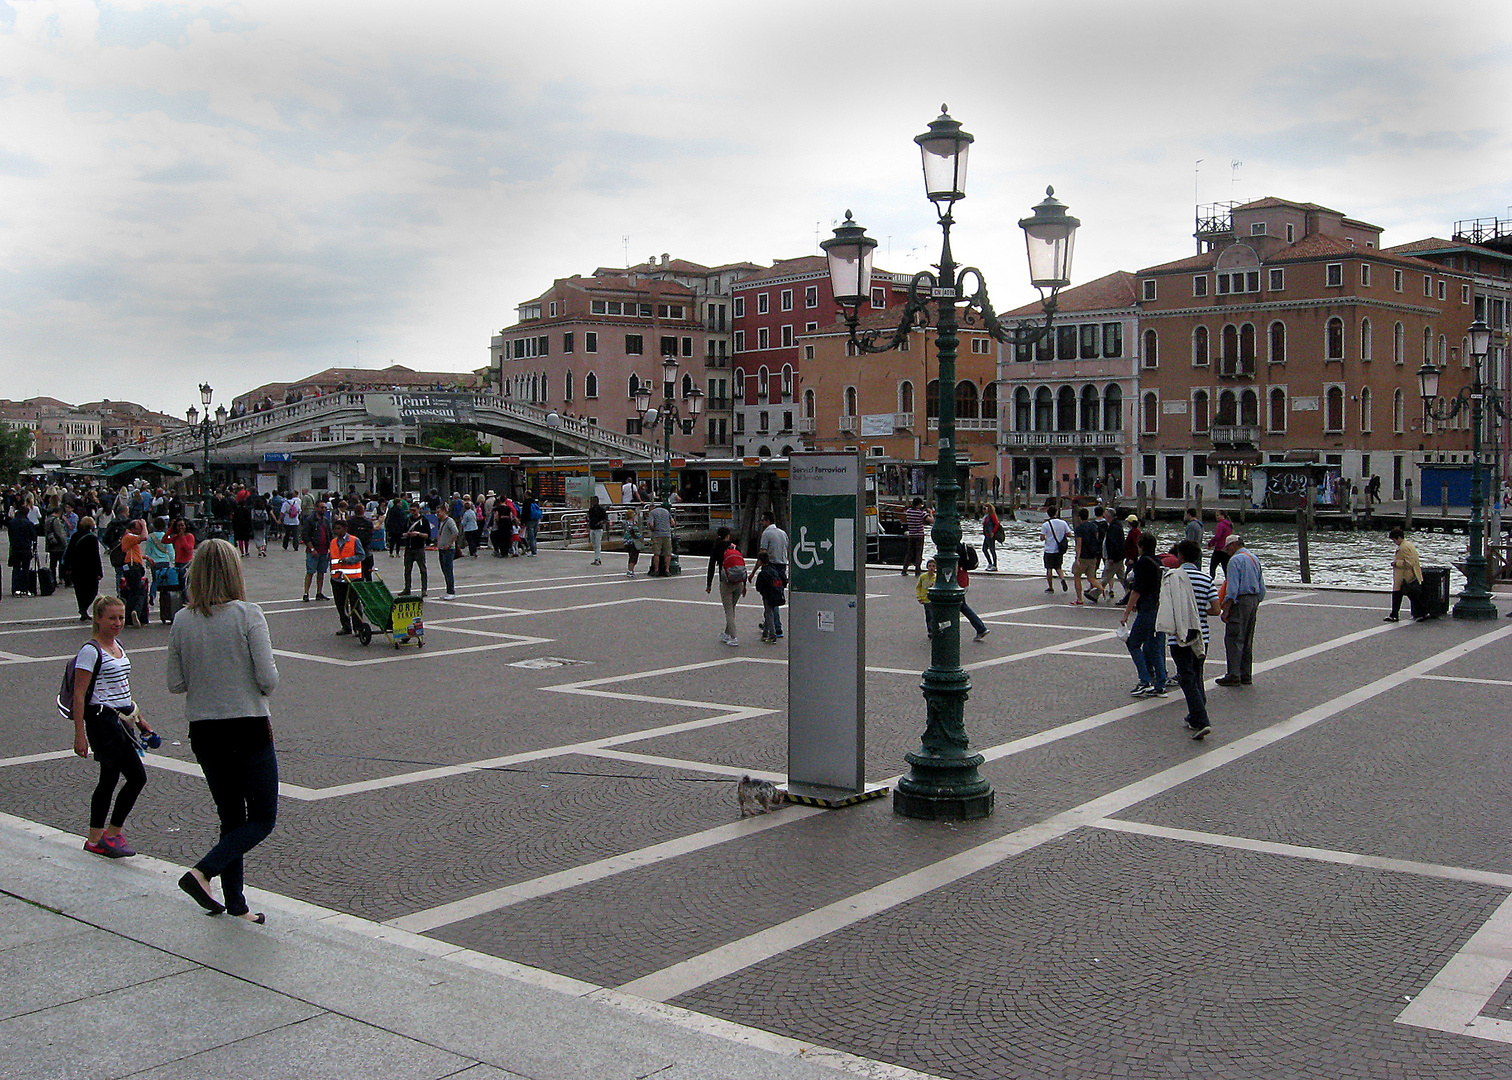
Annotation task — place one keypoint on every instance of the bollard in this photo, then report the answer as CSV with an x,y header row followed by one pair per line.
x,y
1407,513
1141,489
1444,507
1199,502
1304,523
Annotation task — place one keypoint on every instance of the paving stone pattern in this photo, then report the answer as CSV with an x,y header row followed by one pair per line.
x,y
1097,953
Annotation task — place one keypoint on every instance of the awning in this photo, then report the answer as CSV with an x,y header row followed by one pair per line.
x,y
1235,457
120,468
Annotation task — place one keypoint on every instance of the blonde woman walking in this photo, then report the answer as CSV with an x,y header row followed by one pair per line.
x,y
220,655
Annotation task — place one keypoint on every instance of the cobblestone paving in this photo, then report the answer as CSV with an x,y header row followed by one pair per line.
x,y
1091,952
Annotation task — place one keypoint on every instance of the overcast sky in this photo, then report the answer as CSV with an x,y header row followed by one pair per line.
x,y
252,191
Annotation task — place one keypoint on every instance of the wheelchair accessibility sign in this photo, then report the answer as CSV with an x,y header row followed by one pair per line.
x,y
823,557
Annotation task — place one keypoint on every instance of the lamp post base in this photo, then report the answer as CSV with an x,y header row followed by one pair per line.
x,y
1475,606
943,789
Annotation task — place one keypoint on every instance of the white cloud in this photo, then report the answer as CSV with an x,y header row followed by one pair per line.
x,y
249,188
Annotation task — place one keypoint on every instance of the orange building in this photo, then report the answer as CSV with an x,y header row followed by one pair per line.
x,y
887,403
1292,337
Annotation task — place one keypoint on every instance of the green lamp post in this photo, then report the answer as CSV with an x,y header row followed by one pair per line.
x,y
943,781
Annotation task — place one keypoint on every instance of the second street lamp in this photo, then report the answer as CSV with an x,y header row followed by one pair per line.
x,y
1475,601
668,413
208,430
943,781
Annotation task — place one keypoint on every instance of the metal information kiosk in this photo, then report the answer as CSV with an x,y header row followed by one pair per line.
x,y
827,630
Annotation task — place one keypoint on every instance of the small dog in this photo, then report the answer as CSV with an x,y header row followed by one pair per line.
x,y
758,796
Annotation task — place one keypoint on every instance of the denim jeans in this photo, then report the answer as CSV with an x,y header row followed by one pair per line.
x,y
413,556
242,772
1148,650
446,557
531,529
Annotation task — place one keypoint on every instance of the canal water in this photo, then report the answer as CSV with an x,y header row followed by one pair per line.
x,y
1360,559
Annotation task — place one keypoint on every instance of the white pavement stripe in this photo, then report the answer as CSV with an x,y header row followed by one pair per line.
x,y
31,759
1453,1000
494,900
1295,851
689,766
1468,679
736,955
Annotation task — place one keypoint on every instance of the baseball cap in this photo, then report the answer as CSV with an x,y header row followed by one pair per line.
x,y
1132,519
1234,538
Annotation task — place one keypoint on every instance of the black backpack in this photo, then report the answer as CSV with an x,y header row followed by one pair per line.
x,y
112,541
968,557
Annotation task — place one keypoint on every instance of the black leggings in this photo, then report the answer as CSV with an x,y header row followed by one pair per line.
x,y
116,760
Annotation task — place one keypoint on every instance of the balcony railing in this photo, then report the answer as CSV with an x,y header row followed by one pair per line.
x,y
969,423
849,423
806,425
903,421
1064,439
1235,435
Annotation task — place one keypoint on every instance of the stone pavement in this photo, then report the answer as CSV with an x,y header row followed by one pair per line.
x,y
544,797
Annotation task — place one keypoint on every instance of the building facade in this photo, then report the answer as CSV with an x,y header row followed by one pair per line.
x,y
1292,337
1067,403
586,345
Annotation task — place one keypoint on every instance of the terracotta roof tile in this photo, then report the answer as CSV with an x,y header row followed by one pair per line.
x,y
1115,290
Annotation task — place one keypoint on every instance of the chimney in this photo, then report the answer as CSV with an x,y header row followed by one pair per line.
x,y
666,258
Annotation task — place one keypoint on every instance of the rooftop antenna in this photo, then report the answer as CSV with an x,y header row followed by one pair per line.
x,y
625,240
1197,200
1234,177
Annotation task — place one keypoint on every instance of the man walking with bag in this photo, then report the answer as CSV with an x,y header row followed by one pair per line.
x,y
1187,598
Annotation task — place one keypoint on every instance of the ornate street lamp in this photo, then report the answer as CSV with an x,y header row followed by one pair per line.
x,y
1475,601
943,781
209,429
668,414
553,421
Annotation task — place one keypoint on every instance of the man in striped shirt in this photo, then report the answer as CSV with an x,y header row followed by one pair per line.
x,y
1188,661
915,519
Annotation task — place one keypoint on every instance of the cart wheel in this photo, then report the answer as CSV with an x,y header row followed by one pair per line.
x,y
396,645
420,644
364,633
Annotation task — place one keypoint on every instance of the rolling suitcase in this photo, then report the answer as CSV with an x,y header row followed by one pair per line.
x,y
46,585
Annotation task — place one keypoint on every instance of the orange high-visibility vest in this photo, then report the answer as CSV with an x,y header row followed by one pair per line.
x,y
345,547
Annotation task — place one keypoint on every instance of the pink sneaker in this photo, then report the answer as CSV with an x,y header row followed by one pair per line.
x,y
117,847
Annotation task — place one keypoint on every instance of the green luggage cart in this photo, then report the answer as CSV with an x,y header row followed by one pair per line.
x,y
371,606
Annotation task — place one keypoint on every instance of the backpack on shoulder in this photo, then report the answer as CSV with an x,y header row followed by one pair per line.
x,y
732,567
66,689
969,559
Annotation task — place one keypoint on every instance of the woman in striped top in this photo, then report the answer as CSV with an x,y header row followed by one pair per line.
x,y
101,701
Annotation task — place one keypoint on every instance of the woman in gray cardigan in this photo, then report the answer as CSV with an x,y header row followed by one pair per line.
x,y
219,653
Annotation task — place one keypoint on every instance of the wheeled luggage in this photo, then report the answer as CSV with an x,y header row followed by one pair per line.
x,y
46,584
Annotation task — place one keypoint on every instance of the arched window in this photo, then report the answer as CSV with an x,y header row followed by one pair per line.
x,y
1230,350
850,401
1399,344
739,384
1277,409
1151,349
1398,411
1228,409
1247,348
905,396
633,385
1334,339
1278,342
590,385
764,451
932,398
1200,347
687,386
990,401
1023,410
1091,409
1366,421
1044,409
1427,344
966,400
1065,409
1200,412
567,385
1149,421
1113,408
1367,343
787,380
808,404
1249,408
1443,350
1333,410
764,383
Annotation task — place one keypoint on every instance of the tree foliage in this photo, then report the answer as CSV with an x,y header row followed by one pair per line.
x,y
14,444
453,437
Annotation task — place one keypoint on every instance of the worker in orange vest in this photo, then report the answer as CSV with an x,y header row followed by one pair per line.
x,y
346,566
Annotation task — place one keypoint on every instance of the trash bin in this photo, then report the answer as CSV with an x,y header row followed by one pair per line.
x,y
1435,590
